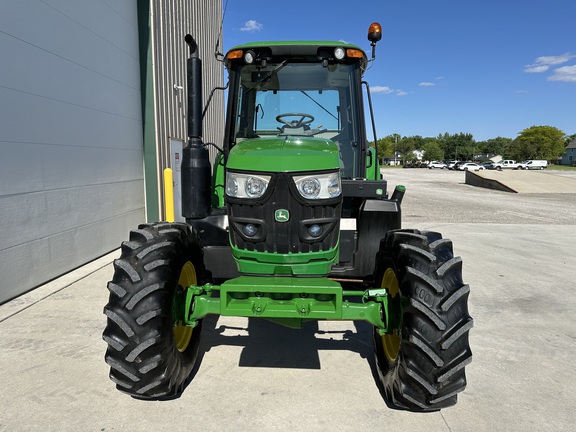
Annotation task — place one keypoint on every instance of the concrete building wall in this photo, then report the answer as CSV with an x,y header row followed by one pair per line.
x,y
71,170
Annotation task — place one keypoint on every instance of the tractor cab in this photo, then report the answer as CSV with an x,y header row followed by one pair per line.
x,y
310,91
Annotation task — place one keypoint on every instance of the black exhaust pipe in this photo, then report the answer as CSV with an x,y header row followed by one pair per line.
x,y
196,168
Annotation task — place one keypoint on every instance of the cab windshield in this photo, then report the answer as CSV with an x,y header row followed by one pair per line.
x,y
302,100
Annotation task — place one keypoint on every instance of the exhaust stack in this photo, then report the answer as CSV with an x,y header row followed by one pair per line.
x,y
196,168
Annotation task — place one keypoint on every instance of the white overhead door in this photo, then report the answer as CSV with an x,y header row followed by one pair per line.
x,y
71,176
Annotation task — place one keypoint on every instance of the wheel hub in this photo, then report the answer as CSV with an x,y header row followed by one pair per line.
x,y
183,333
391,341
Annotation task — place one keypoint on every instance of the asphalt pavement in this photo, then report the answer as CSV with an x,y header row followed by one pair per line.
x,y
518,255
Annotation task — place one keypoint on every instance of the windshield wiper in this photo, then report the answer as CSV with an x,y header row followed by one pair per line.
x,y
317,103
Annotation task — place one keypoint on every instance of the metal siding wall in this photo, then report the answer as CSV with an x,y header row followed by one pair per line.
x,y
171,21
71,180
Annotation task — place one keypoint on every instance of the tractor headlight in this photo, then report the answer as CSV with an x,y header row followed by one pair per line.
x,y
246,185
339,53
319,186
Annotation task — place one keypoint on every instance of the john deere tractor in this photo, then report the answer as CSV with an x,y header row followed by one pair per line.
x,y
291,223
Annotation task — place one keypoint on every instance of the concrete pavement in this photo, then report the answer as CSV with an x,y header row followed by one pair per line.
x,y
255,375
522,181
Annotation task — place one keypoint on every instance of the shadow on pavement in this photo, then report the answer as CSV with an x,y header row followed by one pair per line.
x,y
268,344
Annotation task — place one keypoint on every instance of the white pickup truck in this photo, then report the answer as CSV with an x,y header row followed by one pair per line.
x,y
506,164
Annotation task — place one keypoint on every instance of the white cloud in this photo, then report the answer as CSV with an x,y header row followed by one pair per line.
x,y
381,89
536,68
565,74
252,26
388,90
543,63
555,60
426,84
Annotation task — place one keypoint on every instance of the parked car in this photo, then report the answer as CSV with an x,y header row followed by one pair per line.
x,y
487,165
451,164
456,165
536,164
437,164
470,166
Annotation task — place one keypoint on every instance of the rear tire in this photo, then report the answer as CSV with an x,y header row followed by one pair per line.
x,y
150,356
420,364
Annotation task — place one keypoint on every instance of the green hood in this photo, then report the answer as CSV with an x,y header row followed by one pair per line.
x,y
284,154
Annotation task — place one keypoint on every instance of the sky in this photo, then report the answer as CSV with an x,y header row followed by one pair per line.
x,y
490,68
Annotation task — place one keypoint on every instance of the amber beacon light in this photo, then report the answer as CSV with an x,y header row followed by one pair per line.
x,y
374,35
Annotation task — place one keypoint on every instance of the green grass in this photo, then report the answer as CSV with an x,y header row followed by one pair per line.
x,y
561,168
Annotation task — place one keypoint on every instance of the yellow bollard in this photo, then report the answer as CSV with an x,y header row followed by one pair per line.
x,y
169,194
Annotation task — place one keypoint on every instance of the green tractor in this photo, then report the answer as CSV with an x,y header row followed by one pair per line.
x,y
292,223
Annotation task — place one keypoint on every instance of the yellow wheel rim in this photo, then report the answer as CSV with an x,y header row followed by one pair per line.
x,y
391,342
183,333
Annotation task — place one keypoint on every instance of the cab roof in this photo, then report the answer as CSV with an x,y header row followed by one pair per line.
x,y
313,51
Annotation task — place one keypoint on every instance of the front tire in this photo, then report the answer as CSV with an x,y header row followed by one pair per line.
x,y
420,362
151,356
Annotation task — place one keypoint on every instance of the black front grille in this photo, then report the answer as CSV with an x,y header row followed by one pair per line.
x,y
284,237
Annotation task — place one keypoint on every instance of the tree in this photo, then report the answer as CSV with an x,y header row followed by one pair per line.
x,y
386,146
459,146
537,142
405,147
494,146
432,151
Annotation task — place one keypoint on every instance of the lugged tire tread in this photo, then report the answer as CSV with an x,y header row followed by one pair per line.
x,y
410,249
116,289
113,343
426,349
462,329
128,269
142,294
153,248
425,279
144,361
422,381
429,370
428,313
454,369
147,316
449,301
120,322
144,234
155,264
119,367
449,266
140,348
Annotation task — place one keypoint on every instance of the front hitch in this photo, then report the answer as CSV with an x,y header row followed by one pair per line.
x,y
288,301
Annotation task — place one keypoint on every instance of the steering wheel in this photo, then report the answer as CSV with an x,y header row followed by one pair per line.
x,y
305,119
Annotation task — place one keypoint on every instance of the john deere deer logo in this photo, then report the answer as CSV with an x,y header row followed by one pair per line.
x,y
282,215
